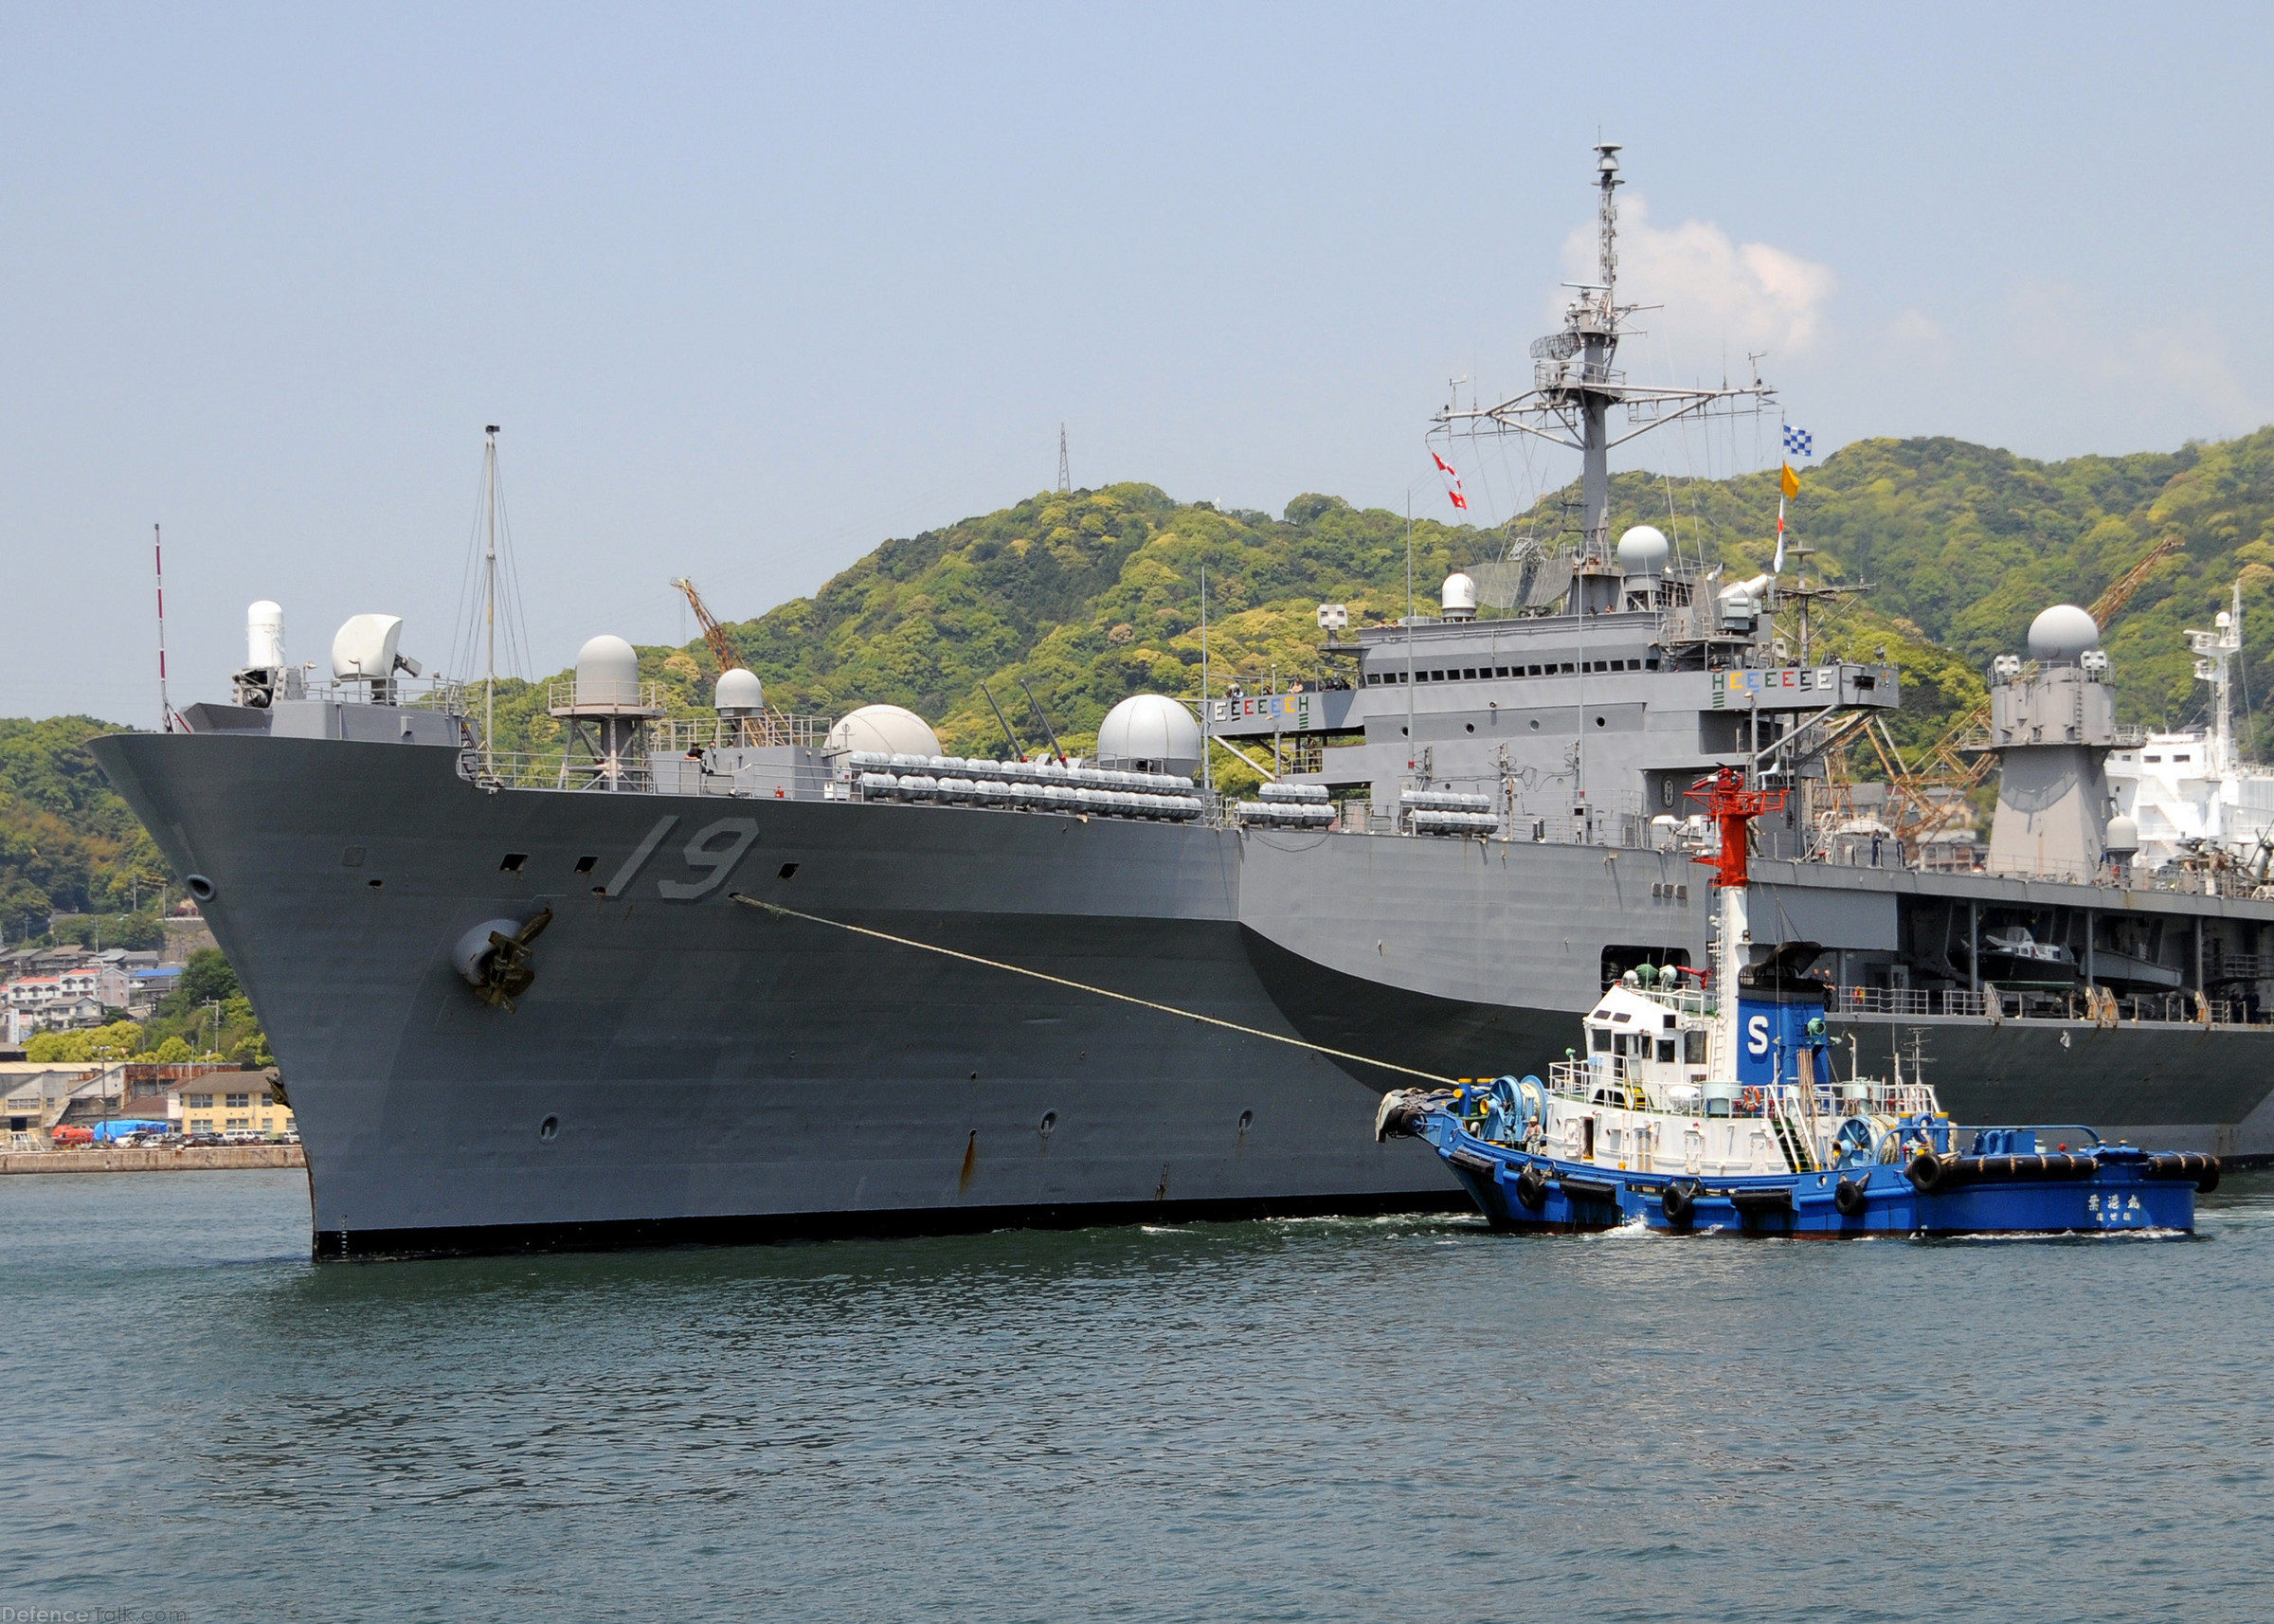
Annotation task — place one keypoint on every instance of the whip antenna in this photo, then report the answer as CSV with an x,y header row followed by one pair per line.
x,y
158,550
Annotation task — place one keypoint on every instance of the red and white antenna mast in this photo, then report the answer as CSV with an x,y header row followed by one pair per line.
x,y
157,548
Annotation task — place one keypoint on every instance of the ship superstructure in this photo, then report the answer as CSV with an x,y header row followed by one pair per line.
x,y
757,974
2194,798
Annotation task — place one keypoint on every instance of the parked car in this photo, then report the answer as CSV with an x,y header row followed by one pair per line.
x,y
243,1136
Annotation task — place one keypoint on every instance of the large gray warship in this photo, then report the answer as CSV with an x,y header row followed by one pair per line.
x,y
758,975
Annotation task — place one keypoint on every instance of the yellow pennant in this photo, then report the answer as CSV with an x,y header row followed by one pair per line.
x,y
1792,481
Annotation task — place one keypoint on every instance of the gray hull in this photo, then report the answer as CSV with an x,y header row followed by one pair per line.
x,y
691,1067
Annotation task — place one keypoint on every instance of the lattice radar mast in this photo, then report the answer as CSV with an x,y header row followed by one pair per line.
x,y
1575,385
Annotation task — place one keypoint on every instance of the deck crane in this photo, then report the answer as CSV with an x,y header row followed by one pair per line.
x,y
1921,793
722,649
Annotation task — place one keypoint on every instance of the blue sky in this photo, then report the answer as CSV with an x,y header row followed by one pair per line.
x,y
752,290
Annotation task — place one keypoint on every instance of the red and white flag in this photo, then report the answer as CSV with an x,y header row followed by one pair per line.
x,y
1446,469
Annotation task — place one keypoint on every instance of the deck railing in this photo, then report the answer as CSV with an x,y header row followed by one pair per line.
x,y
659,774
2172,1009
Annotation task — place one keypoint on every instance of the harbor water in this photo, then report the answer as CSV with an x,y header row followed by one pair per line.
x,y
1408,1418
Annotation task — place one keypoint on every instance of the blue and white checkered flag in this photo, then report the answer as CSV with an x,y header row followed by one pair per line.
x,y
1798,441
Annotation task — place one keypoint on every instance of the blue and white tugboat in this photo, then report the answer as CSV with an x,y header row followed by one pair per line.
x,y
1719,1106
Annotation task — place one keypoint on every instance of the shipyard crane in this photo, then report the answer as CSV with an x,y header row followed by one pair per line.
x,y
2111,603
722,650
1921,793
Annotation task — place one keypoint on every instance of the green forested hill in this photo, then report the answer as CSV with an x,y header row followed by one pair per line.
x,y
67,843
1096,595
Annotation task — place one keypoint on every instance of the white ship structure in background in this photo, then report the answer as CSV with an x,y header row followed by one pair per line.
x,y
2191,797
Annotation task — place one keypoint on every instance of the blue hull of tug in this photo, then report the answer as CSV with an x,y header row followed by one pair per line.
x,y
2115,1196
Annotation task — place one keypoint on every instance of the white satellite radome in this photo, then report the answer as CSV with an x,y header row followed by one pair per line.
x,y
2061,634
2123,835
1457,598
1643,551
264,636
739,693
608,672
891,729
365,649
1149,732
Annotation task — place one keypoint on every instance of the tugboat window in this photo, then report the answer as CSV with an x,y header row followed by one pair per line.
x,y
1602,1043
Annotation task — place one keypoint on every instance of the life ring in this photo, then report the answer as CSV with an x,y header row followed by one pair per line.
x,y
1531,1189
1679,1201
1748,1100
1849,1199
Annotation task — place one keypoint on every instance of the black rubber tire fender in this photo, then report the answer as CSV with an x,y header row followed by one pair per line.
x,y
1531,1189
1679,1201
1926,1172
1849,1197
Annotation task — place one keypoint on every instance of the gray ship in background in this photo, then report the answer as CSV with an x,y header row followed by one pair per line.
x,y
760,976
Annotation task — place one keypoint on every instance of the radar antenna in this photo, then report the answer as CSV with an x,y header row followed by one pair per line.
x,y
1575,385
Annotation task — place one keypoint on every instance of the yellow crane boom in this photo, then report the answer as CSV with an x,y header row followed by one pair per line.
x,y
2111,603
721,649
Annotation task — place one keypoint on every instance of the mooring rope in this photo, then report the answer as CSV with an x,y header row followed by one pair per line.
x,y
1093,991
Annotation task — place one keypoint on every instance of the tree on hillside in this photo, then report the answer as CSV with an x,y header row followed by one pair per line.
x,y
206,978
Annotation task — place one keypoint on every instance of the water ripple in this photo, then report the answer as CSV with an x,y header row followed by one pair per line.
x,y
1319,1419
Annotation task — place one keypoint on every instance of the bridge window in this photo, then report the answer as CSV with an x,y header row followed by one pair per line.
x,y
1470,673
1599,1040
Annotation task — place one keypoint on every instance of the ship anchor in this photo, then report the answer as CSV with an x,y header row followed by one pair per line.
x,y
495,958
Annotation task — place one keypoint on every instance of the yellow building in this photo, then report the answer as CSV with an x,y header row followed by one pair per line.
x,y
226,1102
